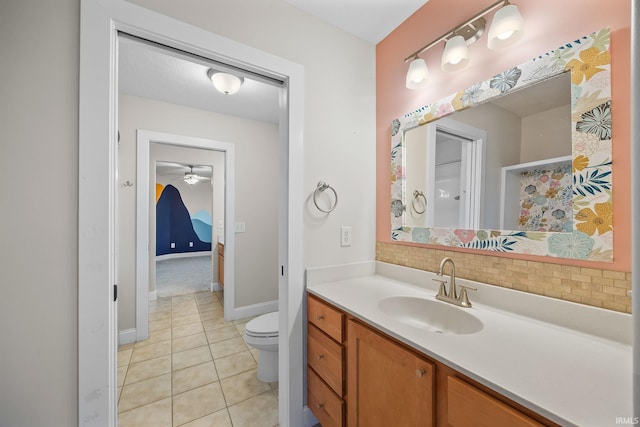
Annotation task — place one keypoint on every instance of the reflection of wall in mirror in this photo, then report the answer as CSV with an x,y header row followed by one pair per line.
x,y
512,140
522,185
546,135
448,200
416,142
503,132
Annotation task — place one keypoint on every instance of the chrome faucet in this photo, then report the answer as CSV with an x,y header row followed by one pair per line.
x,y
451,296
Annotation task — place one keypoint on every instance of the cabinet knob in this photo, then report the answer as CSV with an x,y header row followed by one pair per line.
x,y
320,356
320,406
319,317
420,373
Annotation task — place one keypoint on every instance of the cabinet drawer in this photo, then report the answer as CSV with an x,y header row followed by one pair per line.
x,y
324,403
469,406
325,356
326,318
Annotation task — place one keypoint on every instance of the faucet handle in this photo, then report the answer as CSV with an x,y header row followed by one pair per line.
x,y
463,297
442,292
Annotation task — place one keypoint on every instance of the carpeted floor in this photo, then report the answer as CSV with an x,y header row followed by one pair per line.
x,y
181,276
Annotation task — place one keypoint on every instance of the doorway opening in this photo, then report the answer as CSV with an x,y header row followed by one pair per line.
x,y
97,385
184,229
444,189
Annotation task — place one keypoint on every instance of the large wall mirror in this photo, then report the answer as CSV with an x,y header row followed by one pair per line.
x,y
520,163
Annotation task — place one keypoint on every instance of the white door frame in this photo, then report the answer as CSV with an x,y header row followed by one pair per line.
x,y
100,22
143,139
475,154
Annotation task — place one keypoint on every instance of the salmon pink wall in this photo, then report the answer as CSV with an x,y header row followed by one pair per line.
x,y
548,25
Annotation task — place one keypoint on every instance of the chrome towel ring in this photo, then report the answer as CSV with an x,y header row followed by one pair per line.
x,y
416,196
319,189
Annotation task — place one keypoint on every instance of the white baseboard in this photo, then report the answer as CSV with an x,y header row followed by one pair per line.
x,y
308,418
127,336
215,287
255,309
153,295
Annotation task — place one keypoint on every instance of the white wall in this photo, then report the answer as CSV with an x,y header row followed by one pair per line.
x,y
256,200
39,120
339,134
546,135
39,213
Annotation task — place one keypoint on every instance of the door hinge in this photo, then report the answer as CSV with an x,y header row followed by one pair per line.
x,y
115,292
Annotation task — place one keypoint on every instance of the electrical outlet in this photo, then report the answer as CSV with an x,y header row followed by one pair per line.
x,y
240,227
173,245
345,235
190,244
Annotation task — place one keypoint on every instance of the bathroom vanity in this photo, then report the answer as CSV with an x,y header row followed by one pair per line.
x,y
370,365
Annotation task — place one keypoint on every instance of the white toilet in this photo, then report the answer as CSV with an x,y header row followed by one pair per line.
x,y
262,333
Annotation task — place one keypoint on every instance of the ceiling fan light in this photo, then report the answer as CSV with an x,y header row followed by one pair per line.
x,y
506,28
225,83
191,179
456,54
417,74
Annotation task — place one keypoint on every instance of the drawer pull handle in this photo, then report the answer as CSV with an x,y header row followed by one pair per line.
x,y
319,317
320,405
420,373
320,356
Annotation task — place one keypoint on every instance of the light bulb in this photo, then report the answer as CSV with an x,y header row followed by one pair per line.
x,y
507,27
505,35
417,74
456,54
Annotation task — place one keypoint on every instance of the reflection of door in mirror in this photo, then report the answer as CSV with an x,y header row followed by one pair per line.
x,y
445,193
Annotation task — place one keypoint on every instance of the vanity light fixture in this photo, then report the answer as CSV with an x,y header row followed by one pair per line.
x,y
417,74
506,29
224,82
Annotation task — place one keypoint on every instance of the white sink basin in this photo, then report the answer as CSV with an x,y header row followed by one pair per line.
x,y
431,315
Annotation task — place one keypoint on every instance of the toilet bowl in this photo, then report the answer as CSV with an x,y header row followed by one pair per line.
x,y
261,333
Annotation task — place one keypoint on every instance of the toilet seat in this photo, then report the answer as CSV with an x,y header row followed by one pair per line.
x,y
264,326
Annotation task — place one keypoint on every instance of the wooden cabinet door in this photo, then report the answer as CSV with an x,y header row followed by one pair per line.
x,y
387,385
469,406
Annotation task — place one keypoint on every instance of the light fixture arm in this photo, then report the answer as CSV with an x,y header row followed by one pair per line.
x,y
452,32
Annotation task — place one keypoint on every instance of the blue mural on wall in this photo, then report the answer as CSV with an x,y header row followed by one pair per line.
x,y
201,221
175,225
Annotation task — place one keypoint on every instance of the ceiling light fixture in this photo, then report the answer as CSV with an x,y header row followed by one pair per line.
x,y
192,178
506,29
224,82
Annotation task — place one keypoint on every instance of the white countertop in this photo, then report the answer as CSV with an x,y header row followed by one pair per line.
x,y
570,376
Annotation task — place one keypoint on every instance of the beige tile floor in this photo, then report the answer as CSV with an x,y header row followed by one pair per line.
x,y
194,370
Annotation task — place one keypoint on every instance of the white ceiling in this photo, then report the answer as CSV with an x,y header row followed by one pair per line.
x,y
370,20
151,72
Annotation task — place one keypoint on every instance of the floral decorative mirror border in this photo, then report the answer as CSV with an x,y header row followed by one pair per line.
x,y
589,62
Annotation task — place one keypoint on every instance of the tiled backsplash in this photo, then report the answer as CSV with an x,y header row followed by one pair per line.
x,y
591,286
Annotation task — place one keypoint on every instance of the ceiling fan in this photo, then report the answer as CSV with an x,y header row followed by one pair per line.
x,y
192,178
